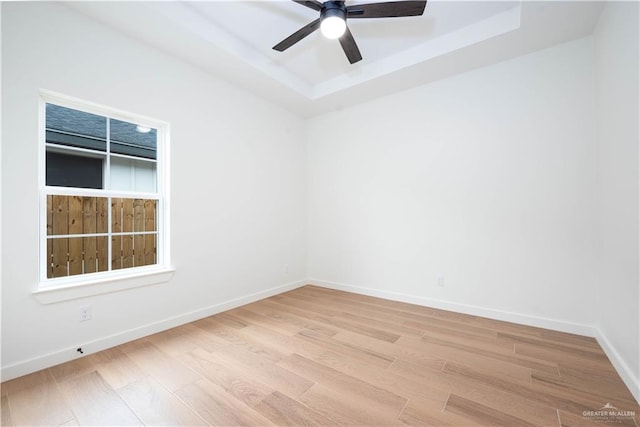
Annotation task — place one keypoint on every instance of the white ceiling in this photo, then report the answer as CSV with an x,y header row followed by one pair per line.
x,y
233,39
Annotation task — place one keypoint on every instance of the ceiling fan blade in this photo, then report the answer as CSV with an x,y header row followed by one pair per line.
x,y
297,36
391,9
350,47
311,4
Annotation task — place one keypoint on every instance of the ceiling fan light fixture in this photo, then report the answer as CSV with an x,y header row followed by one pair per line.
x,y
333,23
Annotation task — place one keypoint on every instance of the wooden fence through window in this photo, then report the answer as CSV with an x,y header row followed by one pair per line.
x,y
81,220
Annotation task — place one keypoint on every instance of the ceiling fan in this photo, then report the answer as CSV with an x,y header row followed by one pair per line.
x,y
333,21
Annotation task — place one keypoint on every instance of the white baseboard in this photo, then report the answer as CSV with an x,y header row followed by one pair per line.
x,y
632,382
41,362
507,316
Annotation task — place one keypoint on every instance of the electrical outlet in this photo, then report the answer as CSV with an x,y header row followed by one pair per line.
x,y
285,269
440,281
85,313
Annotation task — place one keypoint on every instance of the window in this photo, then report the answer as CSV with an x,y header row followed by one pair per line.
x,y
103,193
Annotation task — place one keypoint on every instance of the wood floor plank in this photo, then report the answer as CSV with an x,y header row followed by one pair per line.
x,y
490,365
227,319
600,381
567,338
291,315
369,316
75,368
238,338
202,338
167,370
256,319
598,389
375,398
358,367
71,423
230,378
348,409
508,327
284,344
37,400
539,394
217,407
119,370
369,356
391,351
558,357
393,329
452,327
409,388
319,313
172,342
484,393
574,350
481,414
263,370
284,411
156,406
461,338
26,381
95,403
417,415
6,419
410,311
501,354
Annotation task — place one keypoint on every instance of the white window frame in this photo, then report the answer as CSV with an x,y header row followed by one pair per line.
x,y
82,285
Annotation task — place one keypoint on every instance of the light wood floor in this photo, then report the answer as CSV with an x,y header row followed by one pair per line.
x,y
315,356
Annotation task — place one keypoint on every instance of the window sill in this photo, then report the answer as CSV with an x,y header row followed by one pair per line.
x,y
47,294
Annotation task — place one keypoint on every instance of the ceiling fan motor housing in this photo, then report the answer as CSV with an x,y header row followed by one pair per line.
x,y
333,8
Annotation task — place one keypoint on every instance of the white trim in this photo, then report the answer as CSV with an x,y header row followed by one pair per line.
x,y
138,159
631,381
94,192
507,316
69,353
119,233
66,149
85,285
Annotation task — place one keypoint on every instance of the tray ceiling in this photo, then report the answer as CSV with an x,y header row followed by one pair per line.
x,y
233,39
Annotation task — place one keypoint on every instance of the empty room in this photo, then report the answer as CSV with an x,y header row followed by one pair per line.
x,y
298,213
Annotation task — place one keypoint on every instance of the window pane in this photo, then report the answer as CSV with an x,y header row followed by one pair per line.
x,y
67,126
133,215
150,215
133,175
69,256
133,250
76,215
70,170
133,140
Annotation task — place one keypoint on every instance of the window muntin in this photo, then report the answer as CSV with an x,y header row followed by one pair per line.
x,y
103,199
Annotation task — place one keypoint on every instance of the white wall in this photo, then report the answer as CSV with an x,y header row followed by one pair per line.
x,y
617,74
238,183
486,178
